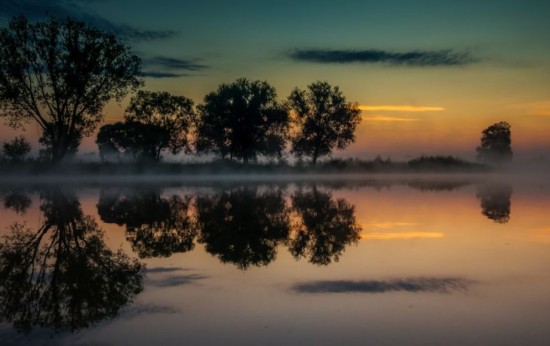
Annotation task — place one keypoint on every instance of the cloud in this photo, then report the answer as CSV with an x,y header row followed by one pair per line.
x,y
168,67
401,235
40,9
538,108
414,58
389,119
414,285
400,108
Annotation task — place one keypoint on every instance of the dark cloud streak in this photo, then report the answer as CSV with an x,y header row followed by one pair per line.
x,y
416,285
41,9
168,67
417,58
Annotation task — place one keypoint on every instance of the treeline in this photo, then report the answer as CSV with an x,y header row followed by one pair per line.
x,y
242,120
60,74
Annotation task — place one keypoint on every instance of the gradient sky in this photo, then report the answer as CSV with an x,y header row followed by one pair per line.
x,y
429,75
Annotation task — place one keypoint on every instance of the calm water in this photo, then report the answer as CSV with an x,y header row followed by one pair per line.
x,y
450,260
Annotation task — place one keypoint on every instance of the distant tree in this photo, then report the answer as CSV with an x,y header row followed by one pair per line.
x,y
17,149
131,141
61,73
171,114
324,119
242,120
495,144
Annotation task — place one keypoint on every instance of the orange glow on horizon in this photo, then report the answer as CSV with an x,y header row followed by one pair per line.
x,y
401,235
401,108
388,119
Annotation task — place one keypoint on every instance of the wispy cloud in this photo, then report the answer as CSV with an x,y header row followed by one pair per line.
x,y
388,119
415,58
401,235
169,67
40,9
414,285
400,108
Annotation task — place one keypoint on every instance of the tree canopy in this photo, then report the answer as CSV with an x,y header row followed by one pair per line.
x,y
172,114
17,149
242,120
496,143
60,74
325,121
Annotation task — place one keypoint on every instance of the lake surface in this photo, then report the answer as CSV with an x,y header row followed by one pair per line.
x,y
401,260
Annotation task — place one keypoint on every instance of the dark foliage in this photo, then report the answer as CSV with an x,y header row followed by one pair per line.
x,y
495,144
17,149
324,119
242,120
60,74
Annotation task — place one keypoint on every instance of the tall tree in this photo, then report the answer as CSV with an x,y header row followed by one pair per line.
x,y
242,120
61,73
496,143
171,114
325,121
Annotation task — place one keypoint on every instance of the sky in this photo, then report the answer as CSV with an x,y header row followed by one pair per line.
x,y
429,76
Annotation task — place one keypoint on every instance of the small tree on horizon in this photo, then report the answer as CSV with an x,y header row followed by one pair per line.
x,y
495,144
324,119
60,74
17,149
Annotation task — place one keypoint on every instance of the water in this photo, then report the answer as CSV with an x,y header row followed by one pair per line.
x,y
400,260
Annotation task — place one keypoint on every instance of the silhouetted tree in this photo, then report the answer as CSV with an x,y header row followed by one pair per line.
x,y
155,226
131,140
243,226
61,73
62,275
18,202
242,120
325,120
173,115
495,201
495,144
325,227
17,149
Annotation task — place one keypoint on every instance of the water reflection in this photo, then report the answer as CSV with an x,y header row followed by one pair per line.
x,y
495,201
325,228
155,226
414,285
17,201
243,226
62,275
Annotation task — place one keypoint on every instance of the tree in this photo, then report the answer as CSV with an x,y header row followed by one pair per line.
x,y
327,226
242,120
17,149
324,119
61,73
131,140
171,114
495,144
62,275
243,226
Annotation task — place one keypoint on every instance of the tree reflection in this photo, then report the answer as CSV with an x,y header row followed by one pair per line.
x,y
325,227
243,226
62,275
18,202
156,226
495,201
